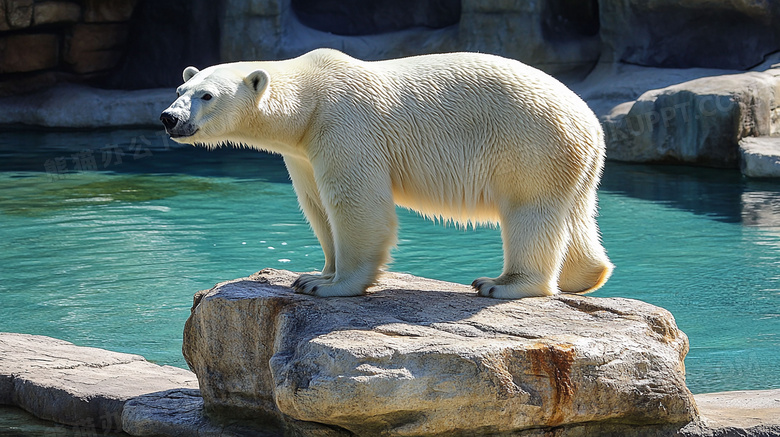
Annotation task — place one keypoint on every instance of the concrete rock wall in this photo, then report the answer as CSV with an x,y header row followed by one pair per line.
x,y
725,34
554,35
668,78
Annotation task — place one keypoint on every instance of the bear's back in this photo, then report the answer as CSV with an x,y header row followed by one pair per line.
x,y
453,127
453,88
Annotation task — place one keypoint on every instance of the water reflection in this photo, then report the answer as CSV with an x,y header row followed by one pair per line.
x,y
723,195
761,208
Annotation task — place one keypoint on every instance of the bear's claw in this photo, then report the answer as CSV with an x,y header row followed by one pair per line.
x,y
306,284
483,287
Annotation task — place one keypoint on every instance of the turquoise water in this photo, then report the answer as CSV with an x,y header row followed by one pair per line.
x,y
105,236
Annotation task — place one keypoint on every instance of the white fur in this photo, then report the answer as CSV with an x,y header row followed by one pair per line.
x,y
469,137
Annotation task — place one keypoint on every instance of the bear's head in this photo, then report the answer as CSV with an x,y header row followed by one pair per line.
x,y
212,103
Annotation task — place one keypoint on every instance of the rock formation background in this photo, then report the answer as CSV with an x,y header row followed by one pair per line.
x,y
132,44
672,81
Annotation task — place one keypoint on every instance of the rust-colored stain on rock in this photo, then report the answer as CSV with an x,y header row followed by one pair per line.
x,y
555,360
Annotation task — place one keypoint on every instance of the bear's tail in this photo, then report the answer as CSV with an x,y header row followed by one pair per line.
x,y
606,272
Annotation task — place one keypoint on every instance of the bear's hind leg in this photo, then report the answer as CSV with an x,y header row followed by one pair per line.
x,y
534,236
586,266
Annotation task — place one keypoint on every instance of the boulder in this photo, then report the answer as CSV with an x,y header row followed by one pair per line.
x,y
760,157
700,121
80,386
176,412
610,86
179,413
422,357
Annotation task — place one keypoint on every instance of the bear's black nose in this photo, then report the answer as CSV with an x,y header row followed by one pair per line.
x,y
168,120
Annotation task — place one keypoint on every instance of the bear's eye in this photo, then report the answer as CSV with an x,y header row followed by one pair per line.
x,y
206,96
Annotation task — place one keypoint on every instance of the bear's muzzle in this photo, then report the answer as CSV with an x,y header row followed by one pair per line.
x,y
175,126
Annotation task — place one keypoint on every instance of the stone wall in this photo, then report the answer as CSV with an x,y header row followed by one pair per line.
x,y
124,44
562,37
42,42
113,43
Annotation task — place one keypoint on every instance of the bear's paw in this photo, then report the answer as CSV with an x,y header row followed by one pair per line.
x,y
511,287
324,285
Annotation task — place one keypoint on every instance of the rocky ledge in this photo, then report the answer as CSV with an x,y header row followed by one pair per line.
x,y
691,116
77,106
421,357
414,357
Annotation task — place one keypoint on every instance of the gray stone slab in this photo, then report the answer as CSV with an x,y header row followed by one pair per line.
x,y
755,411
80,386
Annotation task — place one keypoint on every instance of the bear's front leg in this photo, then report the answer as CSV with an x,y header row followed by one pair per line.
x,y
302,176
359,204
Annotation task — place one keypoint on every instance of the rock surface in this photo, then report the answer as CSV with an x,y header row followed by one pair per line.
x,y
760,157
80,386
179,413
420,357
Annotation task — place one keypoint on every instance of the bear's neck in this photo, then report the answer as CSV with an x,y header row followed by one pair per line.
x,y
282,118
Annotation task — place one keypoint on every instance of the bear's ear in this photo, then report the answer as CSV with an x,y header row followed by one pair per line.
x,y
189,72
257,80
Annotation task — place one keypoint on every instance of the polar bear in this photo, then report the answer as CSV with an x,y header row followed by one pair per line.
x,y
468,137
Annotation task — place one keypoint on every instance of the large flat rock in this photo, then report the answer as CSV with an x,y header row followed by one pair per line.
x,y
179,411
80,386
423,357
